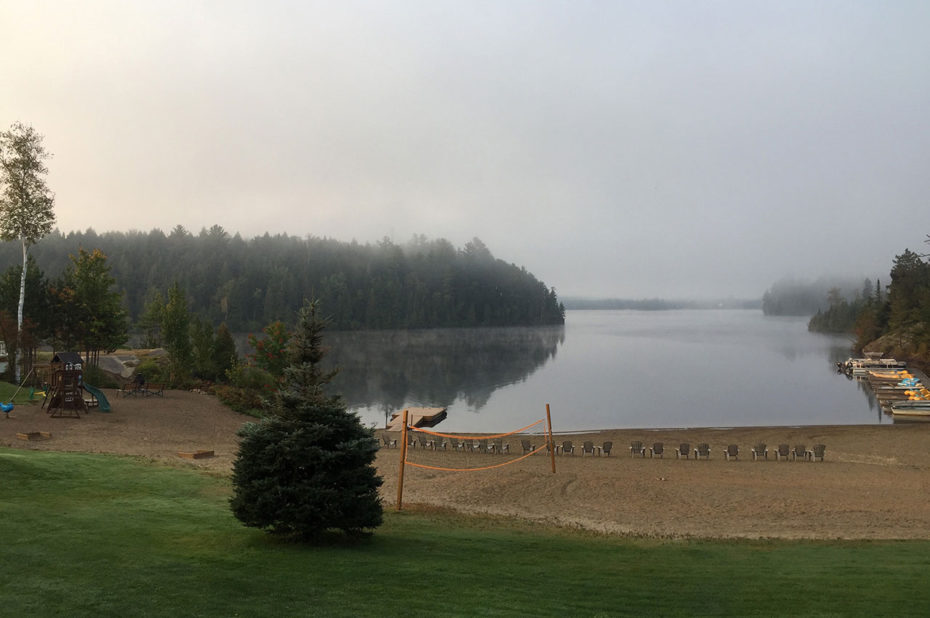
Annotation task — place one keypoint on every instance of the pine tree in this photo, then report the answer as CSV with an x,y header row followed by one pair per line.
x,y
224,352
307,467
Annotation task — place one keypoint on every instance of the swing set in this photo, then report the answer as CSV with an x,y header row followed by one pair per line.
x,y
7,407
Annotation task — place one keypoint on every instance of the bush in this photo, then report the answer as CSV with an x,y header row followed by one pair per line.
x,y
154,370
247,390
243,400
253,378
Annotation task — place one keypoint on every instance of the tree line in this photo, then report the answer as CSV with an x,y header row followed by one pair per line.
x,y
247,283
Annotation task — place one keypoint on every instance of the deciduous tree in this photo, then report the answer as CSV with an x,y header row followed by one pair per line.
x,y
89,309
26,204
175,329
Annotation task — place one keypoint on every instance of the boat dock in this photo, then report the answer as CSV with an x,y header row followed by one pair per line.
x,y
901,392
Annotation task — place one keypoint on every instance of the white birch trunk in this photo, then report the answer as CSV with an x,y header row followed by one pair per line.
x,y
19,315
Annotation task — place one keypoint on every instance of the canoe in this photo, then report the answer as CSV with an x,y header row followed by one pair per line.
x,y
890,375
899,409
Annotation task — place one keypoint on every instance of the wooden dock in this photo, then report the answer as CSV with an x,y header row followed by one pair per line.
x,y
417,417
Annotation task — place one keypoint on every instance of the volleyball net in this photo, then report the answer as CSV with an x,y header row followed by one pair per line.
x,y
467,444
473,439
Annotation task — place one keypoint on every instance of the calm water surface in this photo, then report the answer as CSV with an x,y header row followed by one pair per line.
x,y
608,369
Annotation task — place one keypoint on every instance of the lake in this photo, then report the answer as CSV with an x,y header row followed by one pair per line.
x,y
607,369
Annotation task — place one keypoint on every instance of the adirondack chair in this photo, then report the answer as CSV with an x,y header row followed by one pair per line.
x,y
817,451
799,451
528,447
389,442
684,450
657,450
702,450
636,448
605,448
568,447
782,452
731,452
498,446
760,450
587,448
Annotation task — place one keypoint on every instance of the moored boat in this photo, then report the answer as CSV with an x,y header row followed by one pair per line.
x,y
862,366
911,410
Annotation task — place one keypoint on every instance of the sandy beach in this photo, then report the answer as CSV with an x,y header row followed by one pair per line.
x,y
873,484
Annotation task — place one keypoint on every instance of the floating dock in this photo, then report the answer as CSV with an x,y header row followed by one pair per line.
x,y
901,392
417,417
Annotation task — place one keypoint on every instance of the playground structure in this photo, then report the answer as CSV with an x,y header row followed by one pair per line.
x,y
65,392
66,388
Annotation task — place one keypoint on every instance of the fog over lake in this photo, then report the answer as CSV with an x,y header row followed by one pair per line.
x,y
607,369
667,148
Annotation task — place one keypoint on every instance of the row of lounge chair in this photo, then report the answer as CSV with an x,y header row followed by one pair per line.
x,y
637,448
425,441
759,451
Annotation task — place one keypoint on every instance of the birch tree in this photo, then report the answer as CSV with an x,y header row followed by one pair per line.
x,y
26,203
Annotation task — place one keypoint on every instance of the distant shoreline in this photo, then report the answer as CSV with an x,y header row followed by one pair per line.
x,y
657,304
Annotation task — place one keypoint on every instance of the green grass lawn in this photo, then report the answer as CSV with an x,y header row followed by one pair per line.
x,y
7,390
93,535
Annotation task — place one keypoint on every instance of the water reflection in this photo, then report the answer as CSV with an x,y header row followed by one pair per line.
x,y
388,370
607,369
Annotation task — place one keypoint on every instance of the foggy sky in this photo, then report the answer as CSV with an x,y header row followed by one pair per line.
x,y
629,149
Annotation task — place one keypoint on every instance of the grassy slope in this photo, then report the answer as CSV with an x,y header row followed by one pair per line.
x,y
99,535
7,390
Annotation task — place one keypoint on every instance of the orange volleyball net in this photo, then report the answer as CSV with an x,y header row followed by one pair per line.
x,y
476,442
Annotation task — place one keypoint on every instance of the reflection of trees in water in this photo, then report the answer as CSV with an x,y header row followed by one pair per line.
x,y
435,367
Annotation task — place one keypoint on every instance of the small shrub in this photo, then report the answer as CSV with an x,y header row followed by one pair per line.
x,y
252,378
154,370
242,400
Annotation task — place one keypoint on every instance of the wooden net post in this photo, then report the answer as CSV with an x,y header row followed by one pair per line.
x,y
549,437
403,458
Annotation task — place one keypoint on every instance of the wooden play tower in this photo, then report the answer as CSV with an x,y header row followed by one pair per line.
x,y
65,394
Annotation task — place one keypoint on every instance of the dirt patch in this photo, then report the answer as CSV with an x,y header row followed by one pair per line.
x,y
873,484
154,427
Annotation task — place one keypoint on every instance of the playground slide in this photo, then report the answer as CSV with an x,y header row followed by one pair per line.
x,y
102,403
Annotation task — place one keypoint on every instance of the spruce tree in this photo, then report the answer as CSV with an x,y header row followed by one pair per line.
x,y
307,467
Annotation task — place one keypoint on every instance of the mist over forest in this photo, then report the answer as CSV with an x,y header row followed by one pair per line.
x,y
798,297
248,283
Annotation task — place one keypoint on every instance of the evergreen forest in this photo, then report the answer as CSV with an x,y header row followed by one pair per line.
x,y
248,283
895,321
